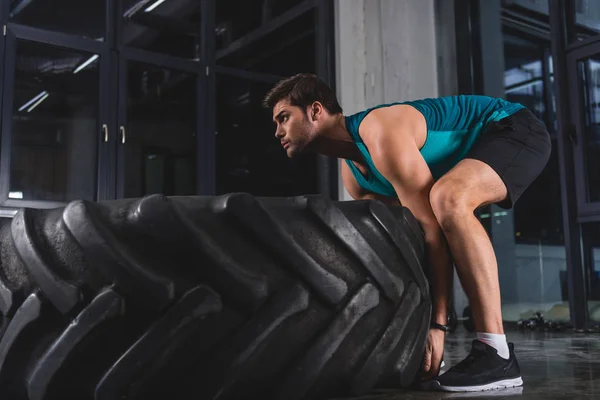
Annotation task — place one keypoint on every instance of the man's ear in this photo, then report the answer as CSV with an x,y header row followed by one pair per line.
x,y
315,110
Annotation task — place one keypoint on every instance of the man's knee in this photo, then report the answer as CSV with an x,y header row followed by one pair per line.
x,y
449,202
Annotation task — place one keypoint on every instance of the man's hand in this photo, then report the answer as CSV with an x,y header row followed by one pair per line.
x,y
434,350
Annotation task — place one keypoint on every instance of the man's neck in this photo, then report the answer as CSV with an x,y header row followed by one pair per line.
x,y
335,141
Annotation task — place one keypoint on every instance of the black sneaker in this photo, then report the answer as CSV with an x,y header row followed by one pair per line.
x,y
482,370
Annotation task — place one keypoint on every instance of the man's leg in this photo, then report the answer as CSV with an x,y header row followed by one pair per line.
x,y
504,161
454,198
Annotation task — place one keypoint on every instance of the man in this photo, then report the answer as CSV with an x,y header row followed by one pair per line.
x,y
441,158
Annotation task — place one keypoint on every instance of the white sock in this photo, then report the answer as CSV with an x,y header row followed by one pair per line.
x,y
496,341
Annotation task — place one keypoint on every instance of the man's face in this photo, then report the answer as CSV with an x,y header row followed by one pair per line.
x,y
294,129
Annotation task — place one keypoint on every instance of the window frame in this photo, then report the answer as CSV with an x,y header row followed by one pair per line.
x,y
14,33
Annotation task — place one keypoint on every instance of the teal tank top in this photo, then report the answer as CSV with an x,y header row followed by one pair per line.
x,y
453,125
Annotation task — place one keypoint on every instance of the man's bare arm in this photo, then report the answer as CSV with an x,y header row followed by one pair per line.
x,y
397,157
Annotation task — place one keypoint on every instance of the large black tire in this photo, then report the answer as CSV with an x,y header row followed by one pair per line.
x,y
228,297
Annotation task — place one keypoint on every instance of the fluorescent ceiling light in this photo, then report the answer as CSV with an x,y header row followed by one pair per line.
x,y
88,62
30,102
135,8
38,102
15,195
153,6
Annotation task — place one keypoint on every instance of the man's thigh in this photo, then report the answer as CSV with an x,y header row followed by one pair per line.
x,y
470,184
517,148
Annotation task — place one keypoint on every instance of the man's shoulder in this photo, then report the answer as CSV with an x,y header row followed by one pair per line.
x,y
394,134
401,120
394,113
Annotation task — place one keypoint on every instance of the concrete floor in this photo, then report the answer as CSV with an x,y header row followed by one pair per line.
x,y
557,366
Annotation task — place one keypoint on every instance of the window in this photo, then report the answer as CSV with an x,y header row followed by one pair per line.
x,y
54,124
587,18
236,19
160,134
589,82
591,256
285,51
254,50
530,245
538,214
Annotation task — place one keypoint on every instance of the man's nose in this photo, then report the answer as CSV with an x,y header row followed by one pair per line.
x,y
279,134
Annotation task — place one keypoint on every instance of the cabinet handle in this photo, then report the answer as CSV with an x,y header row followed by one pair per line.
x,y
122,129
105,130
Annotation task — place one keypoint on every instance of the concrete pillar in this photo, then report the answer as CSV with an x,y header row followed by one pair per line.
x,y
385,52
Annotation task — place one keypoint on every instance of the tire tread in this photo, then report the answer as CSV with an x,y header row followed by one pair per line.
x,y
155,293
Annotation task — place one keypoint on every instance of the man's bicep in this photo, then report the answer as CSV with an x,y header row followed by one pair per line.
x,y
404,166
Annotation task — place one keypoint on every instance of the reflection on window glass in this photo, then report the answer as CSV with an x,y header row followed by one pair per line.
x,y
538,213
54,124
531,95
248,155
523,76
235,19
523,73
160,145
591,258
163,26
589,74
539,6
587,16
284,52
82,18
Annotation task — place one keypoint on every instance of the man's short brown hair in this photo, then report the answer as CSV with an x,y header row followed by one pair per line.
x,y
302,90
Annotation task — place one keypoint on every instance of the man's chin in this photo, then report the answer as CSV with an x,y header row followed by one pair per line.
x,y
292,152
297,151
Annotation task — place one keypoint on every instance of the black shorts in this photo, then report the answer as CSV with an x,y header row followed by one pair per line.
x,y
517,148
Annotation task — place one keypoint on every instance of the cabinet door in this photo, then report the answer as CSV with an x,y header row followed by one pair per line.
x,y
159,119
53,119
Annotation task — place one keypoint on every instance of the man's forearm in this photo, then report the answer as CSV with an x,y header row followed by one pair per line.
x,y
440,273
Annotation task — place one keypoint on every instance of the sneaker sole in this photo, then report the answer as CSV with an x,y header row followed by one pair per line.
x,y
502,393
507,383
